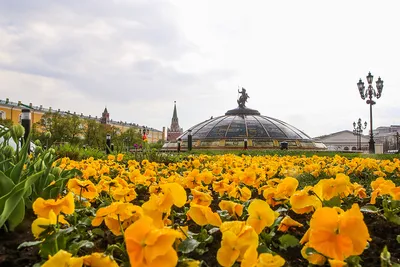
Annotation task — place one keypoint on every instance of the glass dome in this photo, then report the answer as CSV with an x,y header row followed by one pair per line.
x,y
242,125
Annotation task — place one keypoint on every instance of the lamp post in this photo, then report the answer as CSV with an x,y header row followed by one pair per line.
x,y
245,144
179,144
369,93
108,143
190,140
358,129
26,122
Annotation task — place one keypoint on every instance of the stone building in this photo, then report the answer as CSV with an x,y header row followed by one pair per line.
x,y
12,111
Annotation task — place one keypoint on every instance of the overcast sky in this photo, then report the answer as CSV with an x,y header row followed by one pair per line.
x,y
300,61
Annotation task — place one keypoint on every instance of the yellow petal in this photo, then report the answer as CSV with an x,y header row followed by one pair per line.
x,y
196,213
169,259
75,262
39,225
226,256
61,258
177,191
267,259
354,219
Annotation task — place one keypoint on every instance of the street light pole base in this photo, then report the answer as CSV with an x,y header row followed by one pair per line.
x,y
371,146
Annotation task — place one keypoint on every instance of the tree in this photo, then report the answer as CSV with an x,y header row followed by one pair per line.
x,y
6,122
63,128
94,134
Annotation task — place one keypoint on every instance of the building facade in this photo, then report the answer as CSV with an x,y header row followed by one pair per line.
x,y
174,131
12,111
343,141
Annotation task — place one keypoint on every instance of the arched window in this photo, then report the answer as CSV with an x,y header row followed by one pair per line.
x,y
353,148
346,148
2,115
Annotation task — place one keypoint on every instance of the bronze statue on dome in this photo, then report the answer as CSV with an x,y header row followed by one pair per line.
x,y
243,98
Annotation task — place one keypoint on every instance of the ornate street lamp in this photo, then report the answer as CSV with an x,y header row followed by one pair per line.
x,y
358,129
369,93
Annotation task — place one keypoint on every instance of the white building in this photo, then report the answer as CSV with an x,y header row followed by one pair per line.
x,y
343,141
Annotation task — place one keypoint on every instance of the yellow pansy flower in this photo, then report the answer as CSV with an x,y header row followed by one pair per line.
x,y
201,198
260,215
332,232
237,239
150,246
84,188
98,260
39,224
63,258
233,208
203,215
288,222
43,207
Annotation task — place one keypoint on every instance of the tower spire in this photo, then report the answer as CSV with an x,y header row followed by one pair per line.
x,y
175,114
175,130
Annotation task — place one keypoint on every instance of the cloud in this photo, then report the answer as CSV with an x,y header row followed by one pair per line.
x,y
116,54
299,64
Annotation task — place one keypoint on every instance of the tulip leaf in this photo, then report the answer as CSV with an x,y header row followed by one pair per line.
x,y
6,185
398,238
17,215
369,209
288,241
10,201
17,170
188,245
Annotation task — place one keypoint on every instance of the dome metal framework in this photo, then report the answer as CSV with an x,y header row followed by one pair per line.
x,y
242,124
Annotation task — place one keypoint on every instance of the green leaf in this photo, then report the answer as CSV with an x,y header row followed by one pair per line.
x,y
398,238
354,261
385,257
263,249
17,170
288,241
393,218
6,184
29,244
333,202
369,209
17,215
188,245
224,214
74,248
10,201
213,230
98,231
310,251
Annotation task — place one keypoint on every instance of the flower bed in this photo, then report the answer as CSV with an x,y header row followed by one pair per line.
x,y
222,211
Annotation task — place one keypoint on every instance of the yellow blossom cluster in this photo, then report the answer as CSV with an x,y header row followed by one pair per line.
x,y
139,200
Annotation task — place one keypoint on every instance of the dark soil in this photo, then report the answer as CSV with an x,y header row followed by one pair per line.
x,y
10,256
382,233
